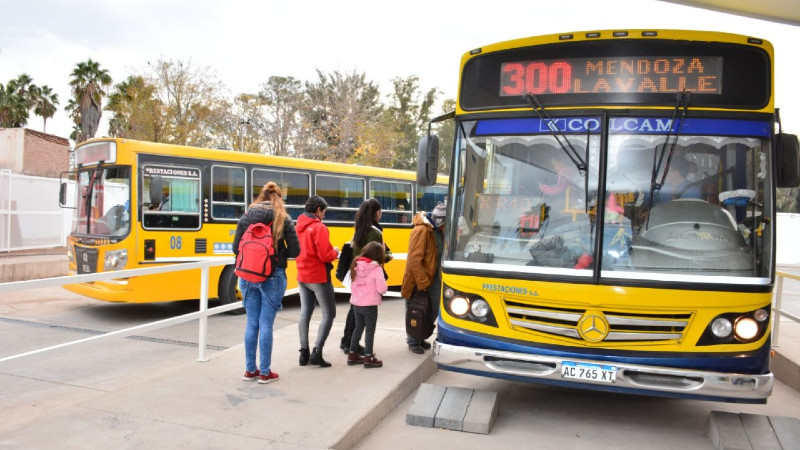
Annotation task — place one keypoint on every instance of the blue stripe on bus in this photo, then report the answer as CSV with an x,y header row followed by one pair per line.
x,y
627,125
750,363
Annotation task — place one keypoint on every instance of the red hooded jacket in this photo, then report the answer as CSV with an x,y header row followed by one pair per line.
x,y
316,251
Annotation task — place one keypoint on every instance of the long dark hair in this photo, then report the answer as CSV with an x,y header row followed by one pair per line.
x,y
365,219
373,251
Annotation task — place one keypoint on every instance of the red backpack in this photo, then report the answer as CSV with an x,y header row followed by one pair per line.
x,y
256,250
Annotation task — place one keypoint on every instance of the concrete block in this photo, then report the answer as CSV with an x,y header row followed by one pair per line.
x,y
426,402
453,408
787,431
481,412
726,431
759,432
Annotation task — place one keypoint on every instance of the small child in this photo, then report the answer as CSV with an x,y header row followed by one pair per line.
x,y
367,289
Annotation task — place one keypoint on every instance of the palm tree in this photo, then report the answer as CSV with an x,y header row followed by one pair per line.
x,y
13,108
45,104
88,81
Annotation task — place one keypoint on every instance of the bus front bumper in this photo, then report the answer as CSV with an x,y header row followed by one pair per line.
x,y
603,375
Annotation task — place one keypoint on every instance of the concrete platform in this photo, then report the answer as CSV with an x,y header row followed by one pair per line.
x,y
21,267
186,404
729,431
453,408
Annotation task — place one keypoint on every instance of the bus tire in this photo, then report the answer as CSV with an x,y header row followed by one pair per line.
x,y
228,290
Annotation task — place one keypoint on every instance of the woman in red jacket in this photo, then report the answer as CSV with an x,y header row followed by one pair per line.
x,y
314,266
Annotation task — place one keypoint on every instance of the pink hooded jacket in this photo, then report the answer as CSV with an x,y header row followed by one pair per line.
x,y
369,285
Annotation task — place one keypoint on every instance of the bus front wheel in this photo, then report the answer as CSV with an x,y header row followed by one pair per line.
x,y
229,289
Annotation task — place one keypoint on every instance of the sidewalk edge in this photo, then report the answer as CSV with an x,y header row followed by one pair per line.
x,y
367,422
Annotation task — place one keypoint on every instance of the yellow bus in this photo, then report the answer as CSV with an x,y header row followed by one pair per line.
x,y
615,202
141,203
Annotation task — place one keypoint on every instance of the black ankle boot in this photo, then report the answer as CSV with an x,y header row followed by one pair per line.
x,y
316,358
304,354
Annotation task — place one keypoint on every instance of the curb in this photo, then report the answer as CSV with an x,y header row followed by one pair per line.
x,y
366,423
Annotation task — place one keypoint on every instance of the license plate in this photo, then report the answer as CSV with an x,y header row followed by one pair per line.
x,y
588,372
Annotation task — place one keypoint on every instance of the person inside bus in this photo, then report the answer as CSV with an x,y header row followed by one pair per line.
x,y
678,182
262,301
367,229
314,266
402,217
556,194
423,265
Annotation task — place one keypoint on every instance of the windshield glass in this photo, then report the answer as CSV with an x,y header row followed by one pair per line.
x,y
521,201
684,205
103,202
691,207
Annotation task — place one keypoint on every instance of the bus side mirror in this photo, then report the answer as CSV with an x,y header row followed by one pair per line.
x,y
64,190
62,195
787,159
427,160
156,190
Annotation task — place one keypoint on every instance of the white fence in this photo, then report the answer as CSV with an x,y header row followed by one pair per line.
x,y
30,217
202,315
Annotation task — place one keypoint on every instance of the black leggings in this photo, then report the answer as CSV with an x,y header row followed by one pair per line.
x,y
366,317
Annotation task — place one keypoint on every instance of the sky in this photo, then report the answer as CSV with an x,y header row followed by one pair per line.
x,y
246,41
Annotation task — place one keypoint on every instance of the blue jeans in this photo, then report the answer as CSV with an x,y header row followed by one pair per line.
x,y
322,293
262,301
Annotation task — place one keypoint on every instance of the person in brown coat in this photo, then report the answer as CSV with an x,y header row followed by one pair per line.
x,y
423,264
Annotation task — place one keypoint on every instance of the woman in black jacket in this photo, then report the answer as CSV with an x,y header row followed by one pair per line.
x,y
263,300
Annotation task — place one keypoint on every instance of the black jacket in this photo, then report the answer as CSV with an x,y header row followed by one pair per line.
x,y
288,247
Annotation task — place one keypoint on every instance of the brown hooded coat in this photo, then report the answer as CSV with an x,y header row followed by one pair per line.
x,y
422,258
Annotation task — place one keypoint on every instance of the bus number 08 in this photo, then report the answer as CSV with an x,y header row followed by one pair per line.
x,y
175,242
537,78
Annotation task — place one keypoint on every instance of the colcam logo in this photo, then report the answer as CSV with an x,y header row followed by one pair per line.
x,y
593,327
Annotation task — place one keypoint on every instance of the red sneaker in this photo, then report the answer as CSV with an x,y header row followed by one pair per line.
x,y
264,379
250,376
354,358
372,362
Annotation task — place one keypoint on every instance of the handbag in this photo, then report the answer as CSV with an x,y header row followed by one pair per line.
x,y
419,320
345,259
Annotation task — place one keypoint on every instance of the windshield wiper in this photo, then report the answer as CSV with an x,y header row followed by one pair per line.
x,y
682,104
574,156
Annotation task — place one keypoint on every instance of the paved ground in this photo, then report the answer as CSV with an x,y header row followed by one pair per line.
x,y
124,394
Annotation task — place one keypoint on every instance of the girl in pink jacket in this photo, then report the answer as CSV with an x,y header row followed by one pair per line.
x,y
367,289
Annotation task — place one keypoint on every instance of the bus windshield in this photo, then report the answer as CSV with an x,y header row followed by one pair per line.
x,y
103,202
677,202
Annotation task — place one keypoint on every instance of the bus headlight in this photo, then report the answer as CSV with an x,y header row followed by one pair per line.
x,y
115,259
745,329
467,306
479,308
721,327
736,328
459,305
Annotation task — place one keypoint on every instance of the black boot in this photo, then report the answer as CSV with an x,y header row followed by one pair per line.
x,y
304,354
316,358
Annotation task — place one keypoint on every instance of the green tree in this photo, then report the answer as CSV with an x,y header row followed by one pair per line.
x,y
446,132
46,105
337,109
192,100
410,112
282,100
88,82
137,113
13,107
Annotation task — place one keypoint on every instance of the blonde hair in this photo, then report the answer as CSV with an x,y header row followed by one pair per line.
x,y
271,193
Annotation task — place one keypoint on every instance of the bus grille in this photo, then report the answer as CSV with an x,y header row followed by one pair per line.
x,y
622,327
200,245
86,259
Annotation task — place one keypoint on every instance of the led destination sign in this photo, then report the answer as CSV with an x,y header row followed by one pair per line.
x,y
625,74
